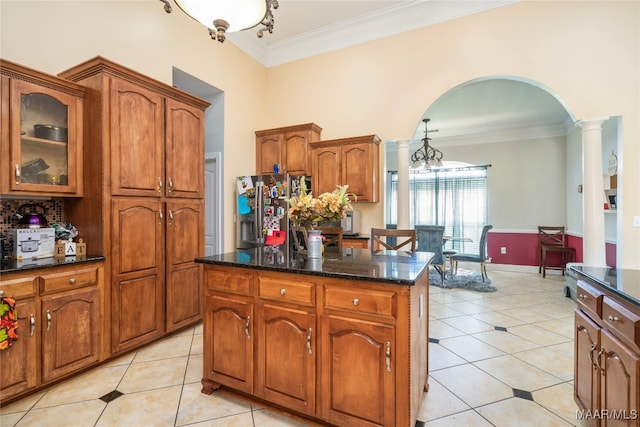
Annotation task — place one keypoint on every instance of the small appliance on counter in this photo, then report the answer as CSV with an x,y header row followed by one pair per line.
x,y
350,224
29,243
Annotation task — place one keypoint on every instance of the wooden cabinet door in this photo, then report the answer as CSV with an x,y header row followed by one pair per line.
x,y
357,372
357,170
184,243
137,140
19,362
620,383
587,376
269,152
296,158
44,163
228,342
287,357
184,150
325,169
70,318
137,270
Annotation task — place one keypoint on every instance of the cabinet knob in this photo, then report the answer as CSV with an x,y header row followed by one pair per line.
x,y
283,291
356,301
72,280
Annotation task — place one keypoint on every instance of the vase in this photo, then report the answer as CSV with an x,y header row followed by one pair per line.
x,y
314,244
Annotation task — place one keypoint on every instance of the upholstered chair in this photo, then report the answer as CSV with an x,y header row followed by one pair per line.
x,y
430,240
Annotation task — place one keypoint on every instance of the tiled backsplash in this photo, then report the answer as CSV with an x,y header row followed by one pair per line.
x,y
54,212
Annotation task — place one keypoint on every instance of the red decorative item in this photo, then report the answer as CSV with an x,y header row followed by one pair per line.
x,y
8,322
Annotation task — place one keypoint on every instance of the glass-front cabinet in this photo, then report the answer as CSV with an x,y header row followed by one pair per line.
x,y
41,133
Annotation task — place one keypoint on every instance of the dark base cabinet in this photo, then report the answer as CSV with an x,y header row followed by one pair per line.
x,y
60,328
607,357
344,352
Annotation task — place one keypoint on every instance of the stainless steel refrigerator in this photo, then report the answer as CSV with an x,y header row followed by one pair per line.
x,y
261,212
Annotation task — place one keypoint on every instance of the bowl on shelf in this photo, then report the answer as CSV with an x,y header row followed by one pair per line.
x,y
55,133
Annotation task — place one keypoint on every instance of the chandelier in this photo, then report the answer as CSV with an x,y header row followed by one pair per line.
x,y
222,16
427,155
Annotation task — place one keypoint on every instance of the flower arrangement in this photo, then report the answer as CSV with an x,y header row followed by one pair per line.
x,y
308,211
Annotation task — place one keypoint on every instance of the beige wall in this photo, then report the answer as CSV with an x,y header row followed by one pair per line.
x,y
585,52
52,36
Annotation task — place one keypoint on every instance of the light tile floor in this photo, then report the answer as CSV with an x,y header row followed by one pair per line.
x,y
503,358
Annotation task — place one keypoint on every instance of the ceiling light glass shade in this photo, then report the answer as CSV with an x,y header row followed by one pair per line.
x,y
239,14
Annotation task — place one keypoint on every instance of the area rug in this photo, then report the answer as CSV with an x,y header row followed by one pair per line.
x,y
465,279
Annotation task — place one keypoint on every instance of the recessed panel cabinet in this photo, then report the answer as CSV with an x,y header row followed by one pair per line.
x,y
286,147
60,325
344,352
144,199
607,358
347,161
42,140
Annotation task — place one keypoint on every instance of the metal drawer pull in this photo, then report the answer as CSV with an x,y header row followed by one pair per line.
x,y
159,187
170,182
283,291
246,327
309,341
356,301
160,217
170,217
72,280
32,322
18,177
48,320
613,319
583,297
388,356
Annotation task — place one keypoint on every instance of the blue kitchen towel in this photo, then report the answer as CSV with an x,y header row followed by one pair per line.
x,y
243,205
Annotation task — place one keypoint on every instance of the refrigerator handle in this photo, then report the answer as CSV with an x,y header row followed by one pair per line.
x,y
259,214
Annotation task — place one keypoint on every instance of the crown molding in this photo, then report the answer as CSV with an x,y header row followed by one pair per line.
x,y
382,23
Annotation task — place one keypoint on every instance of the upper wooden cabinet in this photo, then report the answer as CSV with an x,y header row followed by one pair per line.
x,y
347,161
41,121
152,133
287,147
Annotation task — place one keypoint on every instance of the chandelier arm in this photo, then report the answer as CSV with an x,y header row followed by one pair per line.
x,y
167,6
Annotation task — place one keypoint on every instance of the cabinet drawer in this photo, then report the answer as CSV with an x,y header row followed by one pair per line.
x,y
237,283
57,282
622,321
287,290
361,300
589,298
21,287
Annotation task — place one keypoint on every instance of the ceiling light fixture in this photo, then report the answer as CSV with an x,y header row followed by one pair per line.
x,y
427,155
222,16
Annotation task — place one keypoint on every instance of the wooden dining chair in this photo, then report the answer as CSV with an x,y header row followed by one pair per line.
x,y
553,239
403,237
332,238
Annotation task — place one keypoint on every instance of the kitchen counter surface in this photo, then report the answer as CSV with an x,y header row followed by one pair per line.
x,y
14,265
394,267
621,282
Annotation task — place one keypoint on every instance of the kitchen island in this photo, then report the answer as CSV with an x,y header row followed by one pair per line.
x,y
343,340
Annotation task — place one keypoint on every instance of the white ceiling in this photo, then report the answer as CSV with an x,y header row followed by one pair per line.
x,y
304,28
480,111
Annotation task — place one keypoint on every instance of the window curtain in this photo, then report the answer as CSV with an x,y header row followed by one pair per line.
x,y
455,197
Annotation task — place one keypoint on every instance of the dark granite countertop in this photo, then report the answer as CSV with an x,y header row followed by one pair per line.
x,y
13,265
355,264
621,282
